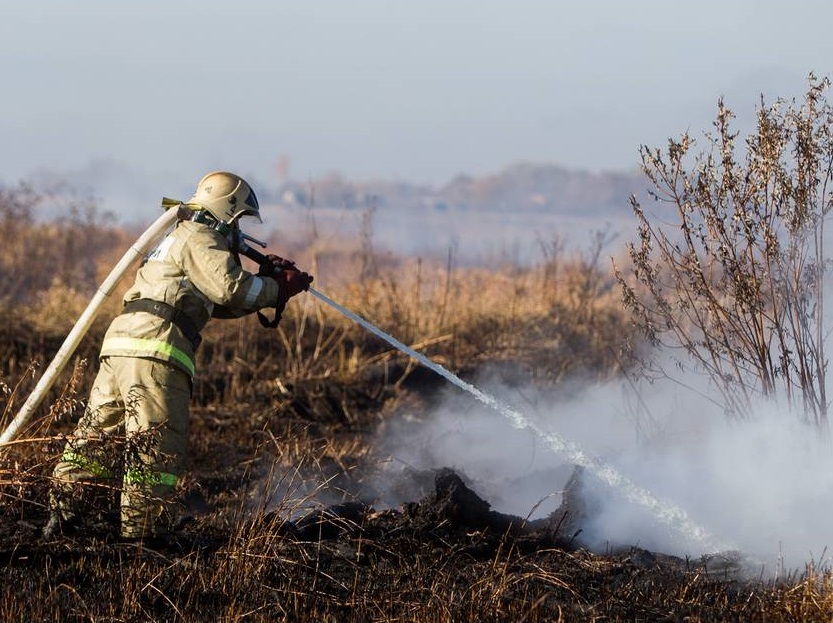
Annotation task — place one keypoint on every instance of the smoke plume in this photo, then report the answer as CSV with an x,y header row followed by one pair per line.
x,y
761,486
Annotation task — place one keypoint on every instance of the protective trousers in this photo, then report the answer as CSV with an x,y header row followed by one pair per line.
x,y
144,404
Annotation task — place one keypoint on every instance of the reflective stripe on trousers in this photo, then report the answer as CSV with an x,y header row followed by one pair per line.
x,y
151,347
145,477
94,467
132,476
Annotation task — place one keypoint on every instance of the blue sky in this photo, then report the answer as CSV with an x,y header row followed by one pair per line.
x,y
149,95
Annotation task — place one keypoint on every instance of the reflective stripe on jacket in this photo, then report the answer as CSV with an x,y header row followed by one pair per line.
x,y
192,270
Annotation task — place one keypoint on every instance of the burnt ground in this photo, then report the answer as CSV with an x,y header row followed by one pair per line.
x,y
242,555
349,560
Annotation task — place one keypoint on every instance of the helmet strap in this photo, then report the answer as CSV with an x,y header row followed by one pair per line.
x,y
204,218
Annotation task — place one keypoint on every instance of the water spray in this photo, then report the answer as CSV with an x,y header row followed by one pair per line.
x,y
665,511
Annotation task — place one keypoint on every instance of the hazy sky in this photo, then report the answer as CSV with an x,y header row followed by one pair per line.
x,y
159,92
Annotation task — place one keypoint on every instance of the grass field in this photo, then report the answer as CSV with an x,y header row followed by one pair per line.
x,y
283,424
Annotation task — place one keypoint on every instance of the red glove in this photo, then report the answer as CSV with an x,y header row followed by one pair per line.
x,y
291,282
278,264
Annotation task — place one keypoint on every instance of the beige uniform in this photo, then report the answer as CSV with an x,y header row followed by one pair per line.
x,y
147,364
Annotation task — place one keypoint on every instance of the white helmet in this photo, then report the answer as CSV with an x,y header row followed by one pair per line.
x,y
226,197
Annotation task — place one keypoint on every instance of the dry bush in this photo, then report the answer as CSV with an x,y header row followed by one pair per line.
x,y
70,251
730,269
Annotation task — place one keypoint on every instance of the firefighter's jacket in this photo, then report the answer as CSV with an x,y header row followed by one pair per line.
x,y
193,271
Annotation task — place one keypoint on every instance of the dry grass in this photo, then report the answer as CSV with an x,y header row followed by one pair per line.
x,y
280,424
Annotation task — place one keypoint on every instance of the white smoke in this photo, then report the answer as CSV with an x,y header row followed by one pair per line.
x,y
762,486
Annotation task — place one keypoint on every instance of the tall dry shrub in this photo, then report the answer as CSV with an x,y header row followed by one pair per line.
x,y
63,251
17,206
730,263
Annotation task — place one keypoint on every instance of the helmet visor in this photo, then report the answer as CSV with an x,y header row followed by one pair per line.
x,y
249,207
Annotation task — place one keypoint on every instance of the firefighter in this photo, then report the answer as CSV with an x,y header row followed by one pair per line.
x,y
143,387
